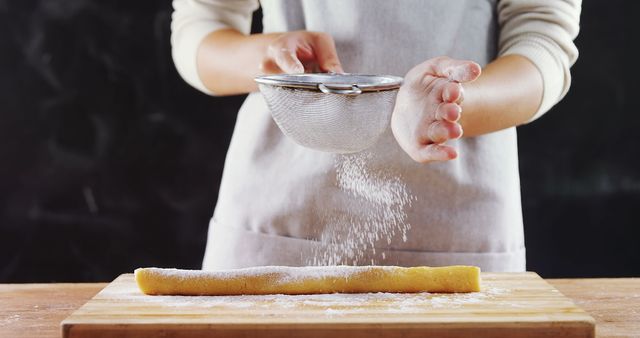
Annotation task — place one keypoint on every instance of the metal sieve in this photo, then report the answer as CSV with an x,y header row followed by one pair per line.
x,y
338,113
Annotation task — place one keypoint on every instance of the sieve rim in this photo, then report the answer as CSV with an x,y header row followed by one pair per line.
x,y
374,83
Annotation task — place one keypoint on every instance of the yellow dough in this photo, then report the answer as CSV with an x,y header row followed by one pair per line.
x,y
308,280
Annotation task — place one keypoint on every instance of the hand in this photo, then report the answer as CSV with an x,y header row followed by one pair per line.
x,y
428,107
297,52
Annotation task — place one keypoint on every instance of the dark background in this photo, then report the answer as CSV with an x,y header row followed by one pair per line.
x,y
109,161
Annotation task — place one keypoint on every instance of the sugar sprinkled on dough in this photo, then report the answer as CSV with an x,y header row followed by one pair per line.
x,y
285,274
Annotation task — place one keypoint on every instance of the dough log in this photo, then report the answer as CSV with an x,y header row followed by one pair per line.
x,y
308,280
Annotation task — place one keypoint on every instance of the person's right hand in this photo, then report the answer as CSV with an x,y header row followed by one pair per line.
x,y
300,51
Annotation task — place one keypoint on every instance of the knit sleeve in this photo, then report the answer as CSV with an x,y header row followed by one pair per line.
x,y
542,31
193,20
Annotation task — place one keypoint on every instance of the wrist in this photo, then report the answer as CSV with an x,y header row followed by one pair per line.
x,y
507,94
471,104
228,60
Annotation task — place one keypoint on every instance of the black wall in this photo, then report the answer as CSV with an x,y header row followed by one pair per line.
x,y
109,161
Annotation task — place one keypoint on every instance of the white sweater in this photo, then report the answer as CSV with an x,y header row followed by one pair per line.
x,y
467,211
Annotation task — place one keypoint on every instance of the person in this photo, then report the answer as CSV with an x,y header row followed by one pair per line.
x,y
473,71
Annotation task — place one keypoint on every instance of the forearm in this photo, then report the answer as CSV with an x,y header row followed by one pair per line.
x,y
228,60
507,94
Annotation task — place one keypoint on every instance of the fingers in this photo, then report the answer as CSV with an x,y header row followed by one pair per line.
x,y
452,69
326,54
431,152
292,51
435,152
448,112
453,92
269,66
287,60
442,131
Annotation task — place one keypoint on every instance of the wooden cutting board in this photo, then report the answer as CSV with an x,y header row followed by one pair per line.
x,y
510,305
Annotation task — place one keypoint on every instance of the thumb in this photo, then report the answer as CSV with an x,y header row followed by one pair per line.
x,y
288,61
465,72
452,69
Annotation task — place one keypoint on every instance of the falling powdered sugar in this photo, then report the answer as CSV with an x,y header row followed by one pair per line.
x,y
374,213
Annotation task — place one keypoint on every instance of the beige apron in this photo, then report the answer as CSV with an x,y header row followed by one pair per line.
x,y
274,193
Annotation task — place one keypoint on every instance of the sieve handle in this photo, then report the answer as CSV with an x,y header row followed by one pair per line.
x,y
340,89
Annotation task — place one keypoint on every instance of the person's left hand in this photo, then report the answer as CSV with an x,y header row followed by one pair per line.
x,y
428,107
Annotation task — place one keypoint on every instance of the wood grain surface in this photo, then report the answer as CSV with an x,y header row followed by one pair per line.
x,y
36,310
510,305
613,302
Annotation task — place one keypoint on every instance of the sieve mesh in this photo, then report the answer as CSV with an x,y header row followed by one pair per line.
x,y
330,122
